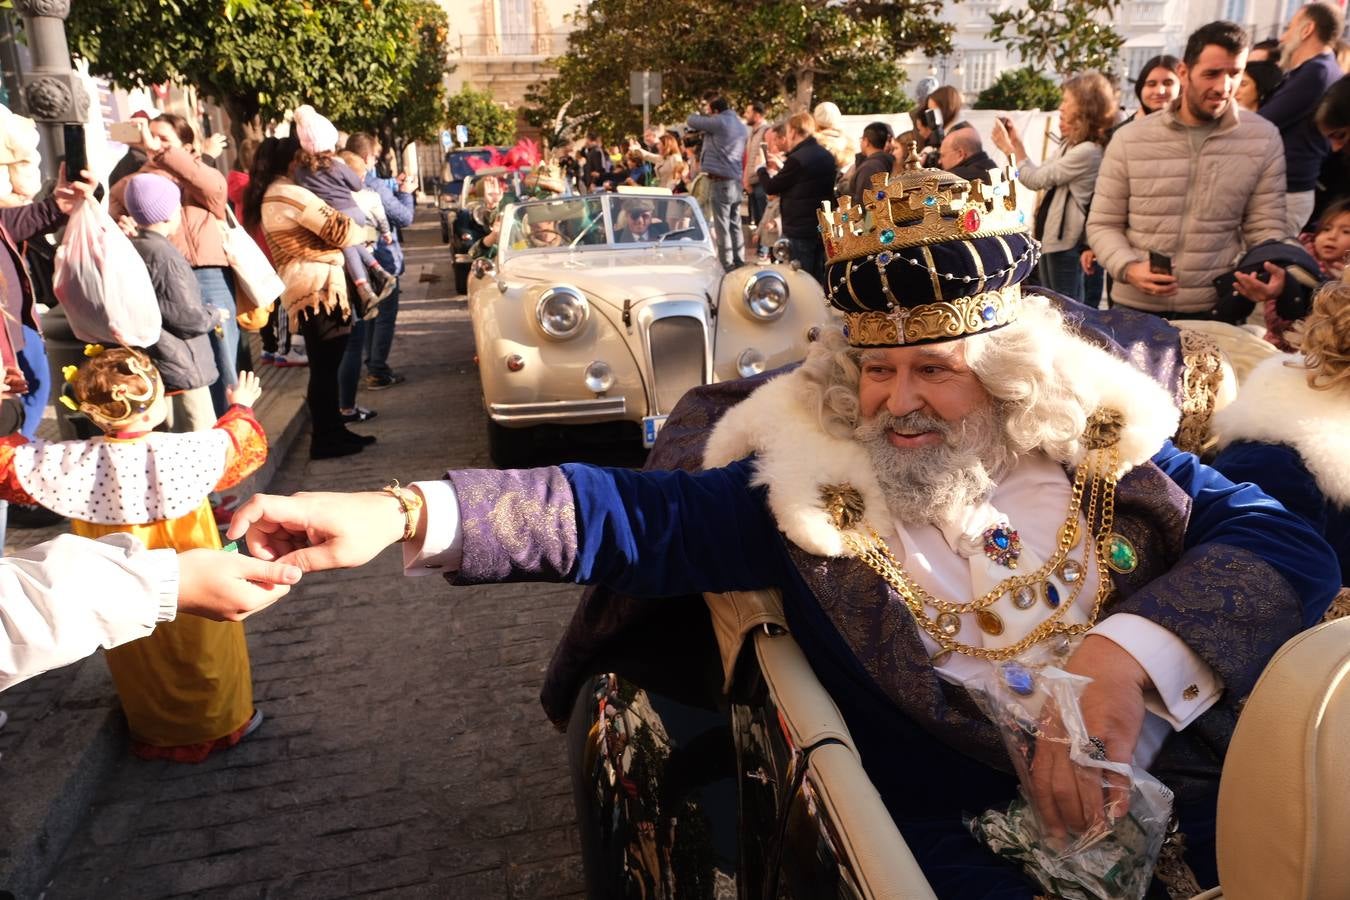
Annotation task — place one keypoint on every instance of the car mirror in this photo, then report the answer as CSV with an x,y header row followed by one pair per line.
x,y
483,268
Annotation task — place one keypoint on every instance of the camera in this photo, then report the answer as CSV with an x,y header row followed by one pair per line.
x,y
931,119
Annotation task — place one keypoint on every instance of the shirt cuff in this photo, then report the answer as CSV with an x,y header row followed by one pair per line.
x,y
163,570
442,543
1184,685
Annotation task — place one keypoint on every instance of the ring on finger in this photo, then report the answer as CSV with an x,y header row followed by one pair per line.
x,y
1095,749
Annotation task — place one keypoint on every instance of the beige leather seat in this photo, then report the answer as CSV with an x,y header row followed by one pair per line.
x,y
1284,800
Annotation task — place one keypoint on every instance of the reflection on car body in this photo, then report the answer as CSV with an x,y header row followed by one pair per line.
x,y
608,307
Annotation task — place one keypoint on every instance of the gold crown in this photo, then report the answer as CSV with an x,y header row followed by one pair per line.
x,y
917,207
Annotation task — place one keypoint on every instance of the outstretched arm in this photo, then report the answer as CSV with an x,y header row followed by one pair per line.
x,y
645,533
63,599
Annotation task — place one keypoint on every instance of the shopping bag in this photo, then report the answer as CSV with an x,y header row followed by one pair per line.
x,y
256,284
102,283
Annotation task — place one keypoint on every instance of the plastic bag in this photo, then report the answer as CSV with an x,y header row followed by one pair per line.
x,y
1034,702
102,283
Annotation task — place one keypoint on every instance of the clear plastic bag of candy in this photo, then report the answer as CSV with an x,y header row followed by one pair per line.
x,y
1035,705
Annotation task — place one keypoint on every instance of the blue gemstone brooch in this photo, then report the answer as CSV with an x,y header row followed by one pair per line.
x,y
1002,545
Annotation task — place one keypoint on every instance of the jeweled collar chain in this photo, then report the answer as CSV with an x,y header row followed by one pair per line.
x,y
1095,479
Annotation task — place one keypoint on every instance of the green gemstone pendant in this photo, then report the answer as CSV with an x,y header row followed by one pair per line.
x,y
1120,554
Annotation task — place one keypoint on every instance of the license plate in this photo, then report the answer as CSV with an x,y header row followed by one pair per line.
x,y
651,427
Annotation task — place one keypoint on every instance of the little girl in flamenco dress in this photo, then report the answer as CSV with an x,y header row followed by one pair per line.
x,y
186,689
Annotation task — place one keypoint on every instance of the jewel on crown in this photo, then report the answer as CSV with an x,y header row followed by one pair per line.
x,y
919,206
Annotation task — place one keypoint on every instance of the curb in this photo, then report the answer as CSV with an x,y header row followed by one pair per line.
x,y
50,779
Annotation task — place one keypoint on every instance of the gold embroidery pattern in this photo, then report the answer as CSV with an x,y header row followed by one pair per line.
x,y
1201,376
934,321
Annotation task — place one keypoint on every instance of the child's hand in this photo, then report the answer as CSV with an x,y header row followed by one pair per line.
x,y
15,383
387,237
247,391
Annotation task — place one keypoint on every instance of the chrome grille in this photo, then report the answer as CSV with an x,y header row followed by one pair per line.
x,y
676,344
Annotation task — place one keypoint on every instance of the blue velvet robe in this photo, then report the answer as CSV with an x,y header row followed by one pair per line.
x,y
1280,471
1222,565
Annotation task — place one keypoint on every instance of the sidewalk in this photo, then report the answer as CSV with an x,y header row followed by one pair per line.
x,y
403,753
64,727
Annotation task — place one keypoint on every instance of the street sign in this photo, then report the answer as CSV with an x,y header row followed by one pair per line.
x,y
644,88
462,135
446,139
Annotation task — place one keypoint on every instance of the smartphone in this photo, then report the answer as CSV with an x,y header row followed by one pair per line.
x,y
1159,263
76,159
125,132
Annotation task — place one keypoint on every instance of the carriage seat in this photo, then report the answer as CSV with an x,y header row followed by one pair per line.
x,y
1282,811
865,833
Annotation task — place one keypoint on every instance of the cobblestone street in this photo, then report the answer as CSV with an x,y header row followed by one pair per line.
x,y
404,753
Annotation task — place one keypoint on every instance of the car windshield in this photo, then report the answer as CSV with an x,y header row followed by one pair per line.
x,y
609,220
459,161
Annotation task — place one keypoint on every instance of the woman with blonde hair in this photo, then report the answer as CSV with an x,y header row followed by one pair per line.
x,y
1288,432
829,133
1066,180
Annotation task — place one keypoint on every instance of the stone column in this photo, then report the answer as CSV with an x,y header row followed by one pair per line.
x,y
52,93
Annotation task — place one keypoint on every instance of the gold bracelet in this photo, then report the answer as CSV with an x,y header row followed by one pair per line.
x,y
409,502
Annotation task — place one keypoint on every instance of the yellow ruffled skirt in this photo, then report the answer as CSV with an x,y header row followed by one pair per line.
x,y
187,685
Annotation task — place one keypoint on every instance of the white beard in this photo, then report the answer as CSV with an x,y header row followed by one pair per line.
x,y
933,485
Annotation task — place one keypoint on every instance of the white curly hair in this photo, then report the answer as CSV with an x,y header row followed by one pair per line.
x,y
1029,368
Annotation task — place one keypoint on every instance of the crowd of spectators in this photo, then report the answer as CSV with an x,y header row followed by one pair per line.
x,y
1144,202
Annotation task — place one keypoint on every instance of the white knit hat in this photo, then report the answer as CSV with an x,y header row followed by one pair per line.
x,y
316,134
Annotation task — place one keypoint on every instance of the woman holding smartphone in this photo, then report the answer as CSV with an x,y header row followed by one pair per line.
x,y
1067,179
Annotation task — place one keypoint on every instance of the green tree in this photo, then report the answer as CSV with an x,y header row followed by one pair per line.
x,y
1023,88
418,110
785,53
487,120
257,58
1061,36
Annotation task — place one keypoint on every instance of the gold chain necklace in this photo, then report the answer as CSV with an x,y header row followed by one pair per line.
x,y
1096,477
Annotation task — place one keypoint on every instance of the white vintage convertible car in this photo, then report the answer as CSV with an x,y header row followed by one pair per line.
x,y
608,307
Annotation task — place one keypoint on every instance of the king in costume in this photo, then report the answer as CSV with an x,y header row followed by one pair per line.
x,y
1090,522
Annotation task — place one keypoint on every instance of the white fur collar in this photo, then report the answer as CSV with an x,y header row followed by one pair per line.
x,y
796,457
1276,406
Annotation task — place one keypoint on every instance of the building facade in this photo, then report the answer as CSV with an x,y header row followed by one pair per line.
x,y
503,46
1150,27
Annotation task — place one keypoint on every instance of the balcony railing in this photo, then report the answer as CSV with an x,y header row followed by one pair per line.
x,y
504,44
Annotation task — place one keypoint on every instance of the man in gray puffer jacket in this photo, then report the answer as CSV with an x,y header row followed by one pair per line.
x,y
183,353
1192,182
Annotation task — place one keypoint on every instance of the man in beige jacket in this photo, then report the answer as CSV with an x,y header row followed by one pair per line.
x,y
1193,183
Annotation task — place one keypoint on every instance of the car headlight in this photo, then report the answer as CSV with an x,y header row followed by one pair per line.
x,y
766,295
562,311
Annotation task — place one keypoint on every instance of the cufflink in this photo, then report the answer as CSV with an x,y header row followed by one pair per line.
x,y
1190,693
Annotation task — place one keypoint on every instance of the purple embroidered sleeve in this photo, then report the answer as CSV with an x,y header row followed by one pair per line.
x,y
517,525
